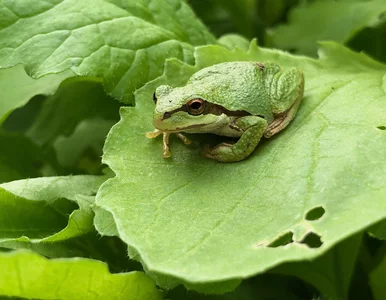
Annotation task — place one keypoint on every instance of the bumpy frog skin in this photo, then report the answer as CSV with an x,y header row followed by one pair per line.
x,y
248,100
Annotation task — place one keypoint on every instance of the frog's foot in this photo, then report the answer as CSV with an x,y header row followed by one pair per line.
x,y
222,152
252,127
153,134
166,135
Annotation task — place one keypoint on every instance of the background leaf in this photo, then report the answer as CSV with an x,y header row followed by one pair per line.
x,y
224,16
237,213
261,287
330,273
17,88
28,275
122,43
19,157
89,135
340,21
47,209
378,281
250,18
75,101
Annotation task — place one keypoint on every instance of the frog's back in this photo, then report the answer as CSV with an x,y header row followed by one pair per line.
x,y
235,86
224,70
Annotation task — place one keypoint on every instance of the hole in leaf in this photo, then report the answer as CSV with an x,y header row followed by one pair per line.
x,y
315,214
282,240
312,240
382,127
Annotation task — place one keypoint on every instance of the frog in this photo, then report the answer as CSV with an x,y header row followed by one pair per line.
x,y
246,100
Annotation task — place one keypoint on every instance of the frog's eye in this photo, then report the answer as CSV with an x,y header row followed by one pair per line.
x,y
154,98
195,106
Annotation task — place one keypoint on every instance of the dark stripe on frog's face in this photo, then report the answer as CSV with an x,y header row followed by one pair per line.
x,y
210,108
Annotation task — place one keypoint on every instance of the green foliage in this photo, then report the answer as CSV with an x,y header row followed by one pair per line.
x,y
45,205
19,157
74,102
344,21
123,44
25,274
18,88
378,280
211,202
303,218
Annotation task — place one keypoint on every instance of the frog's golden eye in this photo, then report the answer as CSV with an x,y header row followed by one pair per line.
x,y
195,106
154,98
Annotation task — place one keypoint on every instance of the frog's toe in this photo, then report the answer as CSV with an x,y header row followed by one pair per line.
x,y
153,134
183,138
167,153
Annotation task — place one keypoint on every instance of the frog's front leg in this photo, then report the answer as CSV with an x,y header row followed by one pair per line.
x,y
165,138
253,128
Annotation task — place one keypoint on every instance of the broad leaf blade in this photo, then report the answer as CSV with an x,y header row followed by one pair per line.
x,y
187,215
88,135
17,88
123,43
327,20
47,209
26,274
75,101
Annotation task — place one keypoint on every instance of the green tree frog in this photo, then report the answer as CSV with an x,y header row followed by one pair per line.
x,y
246,100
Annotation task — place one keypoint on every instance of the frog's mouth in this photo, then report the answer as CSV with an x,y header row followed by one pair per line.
x,y
178,129
186,128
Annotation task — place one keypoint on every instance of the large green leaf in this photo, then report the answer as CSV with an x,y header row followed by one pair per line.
x,y
17,88
26,274
124,43
76,247
47,209
110,250
75,101
339,21
201,221
89,135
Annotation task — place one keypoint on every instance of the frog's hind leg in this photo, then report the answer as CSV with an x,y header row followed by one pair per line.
x,y
286,94
252,127
286,88
282,120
